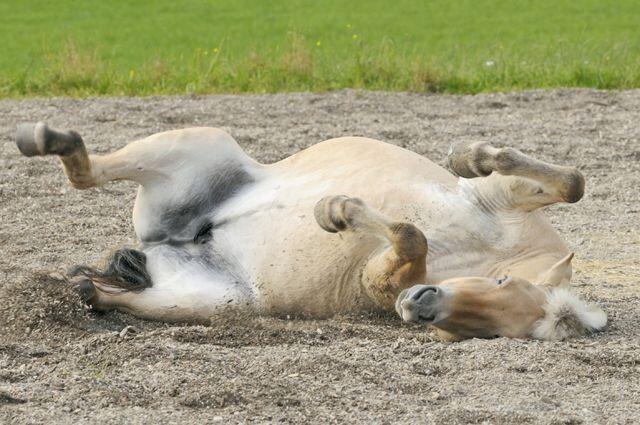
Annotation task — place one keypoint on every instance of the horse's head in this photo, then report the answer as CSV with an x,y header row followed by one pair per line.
x,y
510,306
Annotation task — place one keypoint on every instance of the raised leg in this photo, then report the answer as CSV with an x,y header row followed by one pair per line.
x,y
183,174
531,184
38,139
401,261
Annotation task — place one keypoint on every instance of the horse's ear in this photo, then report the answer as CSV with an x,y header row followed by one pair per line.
x,y
559,275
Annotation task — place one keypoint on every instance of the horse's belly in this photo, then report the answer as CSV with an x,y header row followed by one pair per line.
x,y
294,264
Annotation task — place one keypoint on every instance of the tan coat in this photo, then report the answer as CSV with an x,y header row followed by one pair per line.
x,y
348,224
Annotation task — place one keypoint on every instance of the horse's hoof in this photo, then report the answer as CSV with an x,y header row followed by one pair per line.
x,y
26,138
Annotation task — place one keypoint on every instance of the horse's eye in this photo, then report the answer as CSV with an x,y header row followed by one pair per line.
x,y
501,281
204,234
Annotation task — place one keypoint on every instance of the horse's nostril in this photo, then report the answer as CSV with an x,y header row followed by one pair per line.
x,y
426,319
419,293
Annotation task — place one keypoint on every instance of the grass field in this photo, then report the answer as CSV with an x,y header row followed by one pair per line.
x,y
81,47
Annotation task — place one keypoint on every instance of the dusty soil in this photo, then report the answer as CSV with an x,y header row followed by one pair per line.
x,y
62,364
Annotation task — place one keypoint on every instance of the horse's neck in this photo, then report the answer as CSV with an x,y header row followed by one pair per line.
x,y
466,237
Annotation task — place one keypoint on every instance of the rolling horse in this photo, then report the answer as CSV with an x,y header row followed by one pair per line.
x,y
348,225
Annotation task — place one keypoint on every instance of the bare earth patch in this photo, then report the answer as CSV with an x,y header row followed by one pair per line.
x,y
62,364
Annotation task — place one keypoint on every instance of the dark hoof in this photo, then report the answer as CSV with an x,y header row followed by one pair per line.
x,y
40,139
334,213
575,186
468,159
26,138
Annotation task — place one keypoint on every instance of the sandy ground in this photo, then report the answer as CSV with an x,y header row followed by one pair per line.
x,y
62,364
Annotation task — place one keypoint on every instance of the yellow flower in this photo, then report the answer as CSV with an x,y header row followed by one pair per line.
x,y
354,36
318,43
216,50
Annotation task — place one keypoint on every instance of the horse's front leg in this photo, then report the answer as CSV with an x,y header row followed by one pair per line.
x,y
401,261
518,180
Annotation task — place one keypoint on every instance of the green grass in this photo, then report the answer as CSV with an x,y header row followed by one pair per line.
x,y
116,47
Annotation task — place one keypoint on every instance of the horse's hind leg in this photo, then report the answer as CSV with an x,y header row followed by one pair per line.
x,y
83,170
155,159
402,261
532,183
182,173
38,139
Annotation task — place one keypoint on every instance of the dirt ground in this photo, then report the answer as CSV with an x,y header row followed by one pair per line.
x,y
62,364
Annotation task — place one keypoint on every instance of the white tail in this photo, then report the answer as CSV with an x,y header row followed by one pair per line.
x,y
566,316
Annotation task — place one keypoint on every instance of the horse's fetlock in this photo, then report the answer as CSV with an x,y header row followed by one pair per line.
x,y
81,184
506,160
482,162
62,144
350,208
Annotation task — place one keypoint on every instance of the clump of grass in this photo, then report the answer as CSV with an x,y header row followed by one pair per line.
x,y
74,70
297,62
423,78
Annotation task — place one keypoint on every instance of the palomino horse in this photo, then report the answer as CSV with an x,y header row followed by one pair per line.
x,y
471,253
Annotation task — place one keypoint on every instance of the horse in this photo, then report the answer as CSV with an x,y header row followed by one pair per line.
x,y
348,225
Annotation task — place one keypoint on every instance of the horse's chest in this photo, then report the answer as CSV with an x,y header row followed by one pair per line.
x,y
464,236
